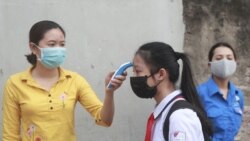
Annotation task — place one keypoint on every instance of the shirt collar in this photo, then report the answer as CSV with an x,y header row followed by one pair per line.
x,y
214,88
64,74
232,88
26,76
163,103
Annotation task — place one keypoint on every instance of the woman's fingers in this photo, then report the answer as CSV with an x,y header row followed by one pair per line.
x,y
118,80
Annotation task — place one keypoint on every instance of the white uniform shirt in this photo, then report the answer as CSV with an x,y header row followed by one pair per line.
x,y
184,123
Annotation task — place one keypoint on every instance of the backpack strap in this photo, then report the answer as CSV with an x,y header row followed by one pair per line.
x,y
183,104
176,97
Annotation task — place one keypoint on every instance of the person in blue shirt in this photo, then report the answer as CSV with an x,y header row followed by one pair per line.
x,y
221,99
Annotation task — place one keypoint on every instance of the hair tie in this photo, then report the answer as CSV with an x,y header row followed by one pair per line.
x,y
178,55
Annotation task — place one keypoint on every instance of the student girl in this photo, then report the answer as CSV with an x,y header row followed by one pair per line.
x,y
222,100
39,103
156,71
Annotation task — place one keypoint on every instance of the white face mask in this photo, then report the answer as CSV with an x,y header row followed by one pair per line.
x,y
223,68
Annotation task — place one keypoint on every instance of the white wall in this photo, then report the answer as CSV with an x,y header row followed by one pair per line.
x,y
101,34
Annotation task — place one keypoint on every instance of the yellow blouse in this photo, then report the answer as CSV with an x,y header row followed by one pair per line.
x,y
31,113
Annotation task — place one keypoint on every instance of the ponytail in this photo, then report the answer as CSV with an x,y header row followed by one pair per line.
x,y
187,82
189,91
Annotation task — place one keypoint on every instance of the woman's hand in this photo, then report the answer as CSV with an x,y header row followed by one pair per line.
x,y
116,82
108,109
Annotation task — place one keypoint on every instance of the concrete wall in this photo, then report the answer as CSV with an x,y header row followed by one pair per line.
x,y
211,21
100,36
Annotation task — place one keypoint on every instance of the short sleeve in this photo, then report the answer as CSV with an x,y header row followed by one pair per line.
x,y
241,95
185,126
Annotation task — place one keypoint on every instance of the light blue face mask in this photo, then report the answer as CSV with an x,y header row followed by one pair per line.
x,y
52,57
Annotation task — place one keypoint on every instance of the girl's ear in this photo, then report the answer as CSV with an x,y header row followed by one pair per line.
x,y
162,74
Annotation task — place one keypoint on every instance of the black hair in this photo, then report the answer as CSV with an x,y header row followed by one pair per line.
x,y
36,34
220,44
160,55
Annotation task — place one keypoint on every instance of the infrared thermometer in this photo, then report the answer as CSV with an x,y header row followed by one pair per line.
x,y
119,71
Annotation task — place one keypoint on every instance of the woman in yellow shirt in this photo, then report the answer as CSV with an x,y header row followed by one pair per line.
x,y
39,103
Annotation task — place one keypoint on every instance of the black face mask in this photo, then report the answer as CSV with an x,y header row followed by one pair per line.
x,y
140,87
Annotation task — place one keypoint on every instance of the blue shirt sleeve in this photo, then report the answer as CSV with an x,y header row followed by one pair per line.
x,y
241,95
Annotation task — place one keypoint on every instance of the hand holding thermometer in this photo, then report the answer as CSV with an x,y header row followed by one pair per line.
x,y
119,71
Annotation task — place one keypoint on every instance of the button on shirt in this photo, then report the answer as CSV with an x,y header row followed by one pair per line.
x,y
184,123
33,113
225,114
